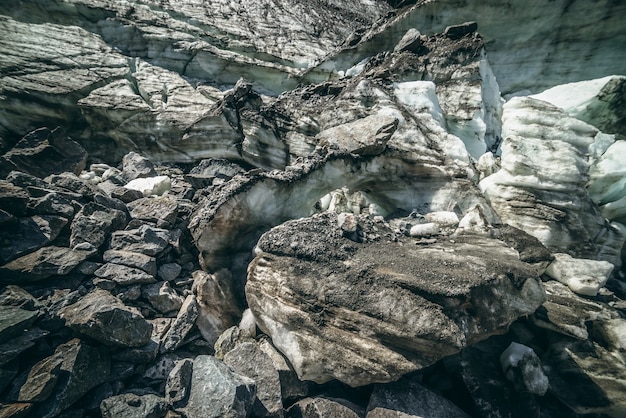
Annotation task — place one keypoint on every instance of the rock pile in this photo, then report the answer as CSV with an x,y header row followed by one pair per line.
x,y
396,240
106,310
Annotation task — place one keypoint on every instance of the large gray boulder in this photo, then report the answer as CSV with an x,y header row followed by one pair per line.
x,y
372,311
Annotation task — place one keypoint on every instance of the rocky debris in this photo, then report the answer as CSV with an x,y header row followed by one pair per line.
x,y
14,319
43,152
43,263
133,406
103,317
131,259
526,49
145,240
521,365
178,381
367,136
324,407
570,363
136,166
216,391
141,260
407,398
217,304
323,318
247,359
162,297
94,223
185,320
28,234
567,313
58,381
164,209
124,275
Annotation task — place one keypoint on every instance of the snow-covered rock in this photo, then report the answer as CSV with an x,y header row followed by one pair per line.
x,y
584,277
523,358
150,186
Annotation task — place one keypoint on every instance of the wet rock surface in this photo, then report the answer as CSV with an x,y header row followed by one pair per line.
x,y
311,209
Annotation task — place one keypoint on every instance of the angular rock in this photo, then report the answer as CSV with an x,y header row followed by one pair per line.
x,y
42,264
587,377
94,223
154,209
247,359
120,192
367,136
43,152
124,275
411,41
133,406
567,313
491,394
58,381
407,398
14,320
148,352
169,271
131,259
162,297
178,383
145,239
181,326
52,203
218,308
212,172
371,312
521,366
16,296
216,391
70,182
584,277
13,199
136,166
320,407
160,369
290,386
103,317
29,234
15,346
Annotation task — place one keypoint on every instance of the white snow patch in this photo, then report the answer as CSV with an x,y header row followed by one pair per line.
x,y
574,97
424,230
151,186
584,277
